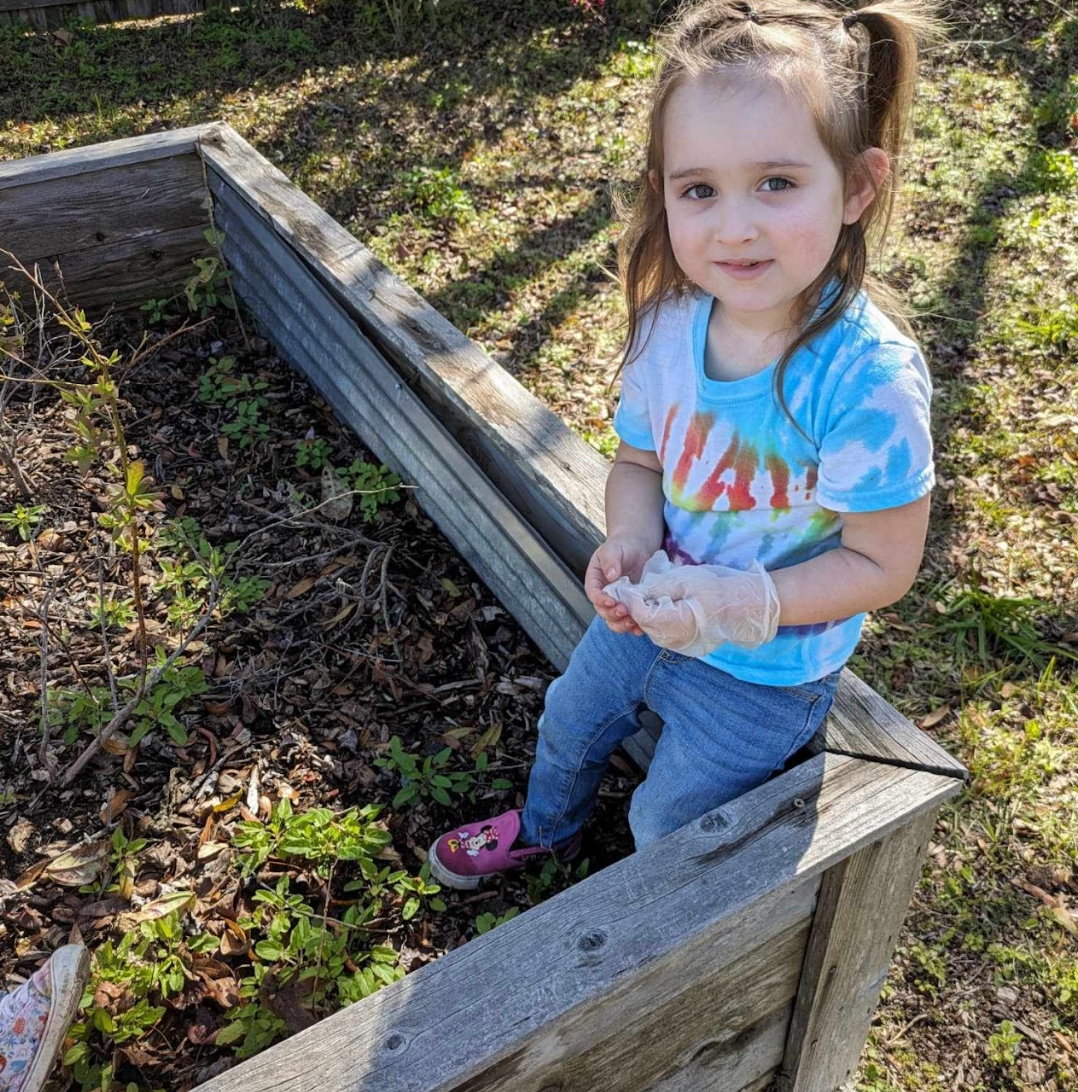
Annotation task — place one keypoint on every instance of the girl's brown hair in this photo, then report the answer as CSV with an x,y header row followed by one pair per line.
x,y
856,69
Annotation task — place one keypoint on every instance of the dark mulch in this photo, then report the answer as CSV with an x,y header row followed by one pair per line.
x,y
366,630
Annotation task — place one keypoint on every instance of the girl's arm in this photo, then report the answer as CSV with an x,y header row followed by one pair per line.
x,y
876,565
634,531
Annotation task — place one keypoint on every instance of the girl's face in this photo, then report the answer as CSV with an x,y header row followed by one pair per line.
x,y
747,180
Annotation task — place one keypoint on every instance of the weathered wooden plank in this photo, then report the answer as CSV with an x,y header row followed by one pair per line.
x,y
47,14
616,947
126,273
741,1059
551,476
323,341
96,157
133,201
863,902
731,1016
864,724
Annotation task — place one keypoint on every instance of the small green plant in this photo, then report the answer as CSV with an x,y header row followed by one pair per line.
x,y
375,485
981,626
423,778
188,579
555,875
1053,329
1052,171
929,967
147,964
78,711
485,922
220,385
208,286
330,960
248,428
112,613
313,452
437,193
123,864
156,310
23,518
1003,1044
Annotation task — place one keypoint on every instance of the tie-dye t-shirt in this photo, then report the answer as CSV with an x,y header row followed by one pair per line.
x,y
741,482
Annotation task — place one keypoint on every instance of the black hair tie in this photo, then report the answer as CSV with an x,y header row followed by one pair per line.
x,y
849,20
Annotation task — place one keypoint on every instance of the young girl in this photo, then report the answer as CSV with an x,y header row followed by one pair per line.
x,y
774,424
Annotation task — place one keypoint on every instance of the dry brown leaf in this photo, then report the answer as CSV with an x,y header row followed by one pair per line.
x,y
935,717
19,835
115,805
301,587
80,865
336,497
488,739
339,616
1063,916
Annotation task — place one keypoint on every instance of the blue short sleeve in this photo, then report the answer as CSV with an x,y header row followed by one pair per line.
x,y
876,449
632,422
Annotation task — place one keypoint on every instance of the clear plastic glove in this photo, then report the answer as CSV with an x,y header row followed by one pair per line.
x,y
692,609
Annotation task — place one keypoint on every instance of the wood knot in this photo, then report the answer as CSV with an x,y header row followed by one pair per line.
x,y
713,822
394,1042
592,942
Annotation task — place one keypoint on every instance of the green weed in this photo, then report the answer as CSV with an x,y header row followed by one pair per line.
x,y
1002,1047
24,519
187,581
376,485
436,192
430,777
485,922
981,628
313,453
79,711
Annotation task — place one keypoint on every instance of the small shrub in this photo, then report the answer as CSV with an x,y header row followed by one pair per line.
x,y
23,518
437,193
375,485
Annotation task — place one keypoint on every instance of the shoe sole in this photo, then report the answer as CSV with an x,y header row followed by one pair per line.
x,y
453,879
446,876
69,971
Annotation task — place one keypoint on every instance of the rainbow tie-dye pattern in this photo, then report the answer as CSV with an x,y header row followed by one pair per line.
x,y
741,482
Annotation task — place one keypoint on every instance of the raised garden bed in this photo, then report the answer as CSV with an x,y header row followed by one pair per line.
x,y
746,947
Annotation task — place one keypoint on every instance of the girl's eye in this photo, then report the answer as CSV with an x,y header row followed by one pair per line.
x,y
777,185
693,195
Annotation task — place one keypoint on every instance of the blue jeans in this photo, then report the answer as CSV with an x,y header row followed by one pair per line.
x,y
720,738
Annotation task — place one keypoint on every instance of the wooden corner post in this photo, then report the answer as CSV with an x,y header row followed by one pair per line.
x,y
862,903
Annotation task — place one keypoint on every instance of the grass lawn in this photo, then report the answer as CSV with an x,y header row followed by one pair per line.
x,y
477,157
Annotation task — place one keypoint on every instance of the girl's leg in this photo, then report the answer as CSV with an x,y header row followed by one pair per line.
x,y
721,738
588,711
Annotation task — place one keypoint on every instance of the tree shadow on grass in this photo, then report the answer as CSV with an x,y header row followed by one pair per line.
x,y
207,57
952,333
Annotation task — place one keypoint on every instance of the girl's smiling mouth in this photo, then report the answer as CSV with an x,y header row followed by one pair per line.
x,y
743,270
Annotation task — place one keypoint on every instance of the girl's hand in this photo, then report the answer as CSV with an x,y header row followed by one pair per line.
x,y
617,556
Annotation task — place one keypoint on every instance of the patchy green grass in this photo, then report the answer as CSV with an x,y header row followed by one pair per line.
x,y
478,158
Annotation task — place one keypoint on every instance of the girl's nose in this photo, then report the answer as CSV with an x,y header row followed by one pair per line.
x,y
733,223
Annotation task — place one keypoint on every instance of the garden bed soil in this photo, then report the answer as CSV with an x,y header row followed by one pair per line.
x,y
334,633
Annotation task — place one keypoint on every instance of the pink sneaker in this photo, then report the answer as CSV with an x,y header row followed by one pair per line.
x,y
34,1018
468,854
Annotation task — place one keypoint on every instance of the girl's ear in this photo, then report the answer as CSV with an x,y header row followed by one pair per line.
x,y
870,171
653,181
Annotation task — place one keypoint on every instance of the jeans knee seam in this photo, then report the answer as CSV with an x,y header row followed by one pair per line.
x,y
576,773
651,671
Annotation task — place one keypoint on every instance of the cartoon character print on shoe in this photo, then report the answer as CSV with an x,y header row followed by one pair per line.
x,y
472,844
